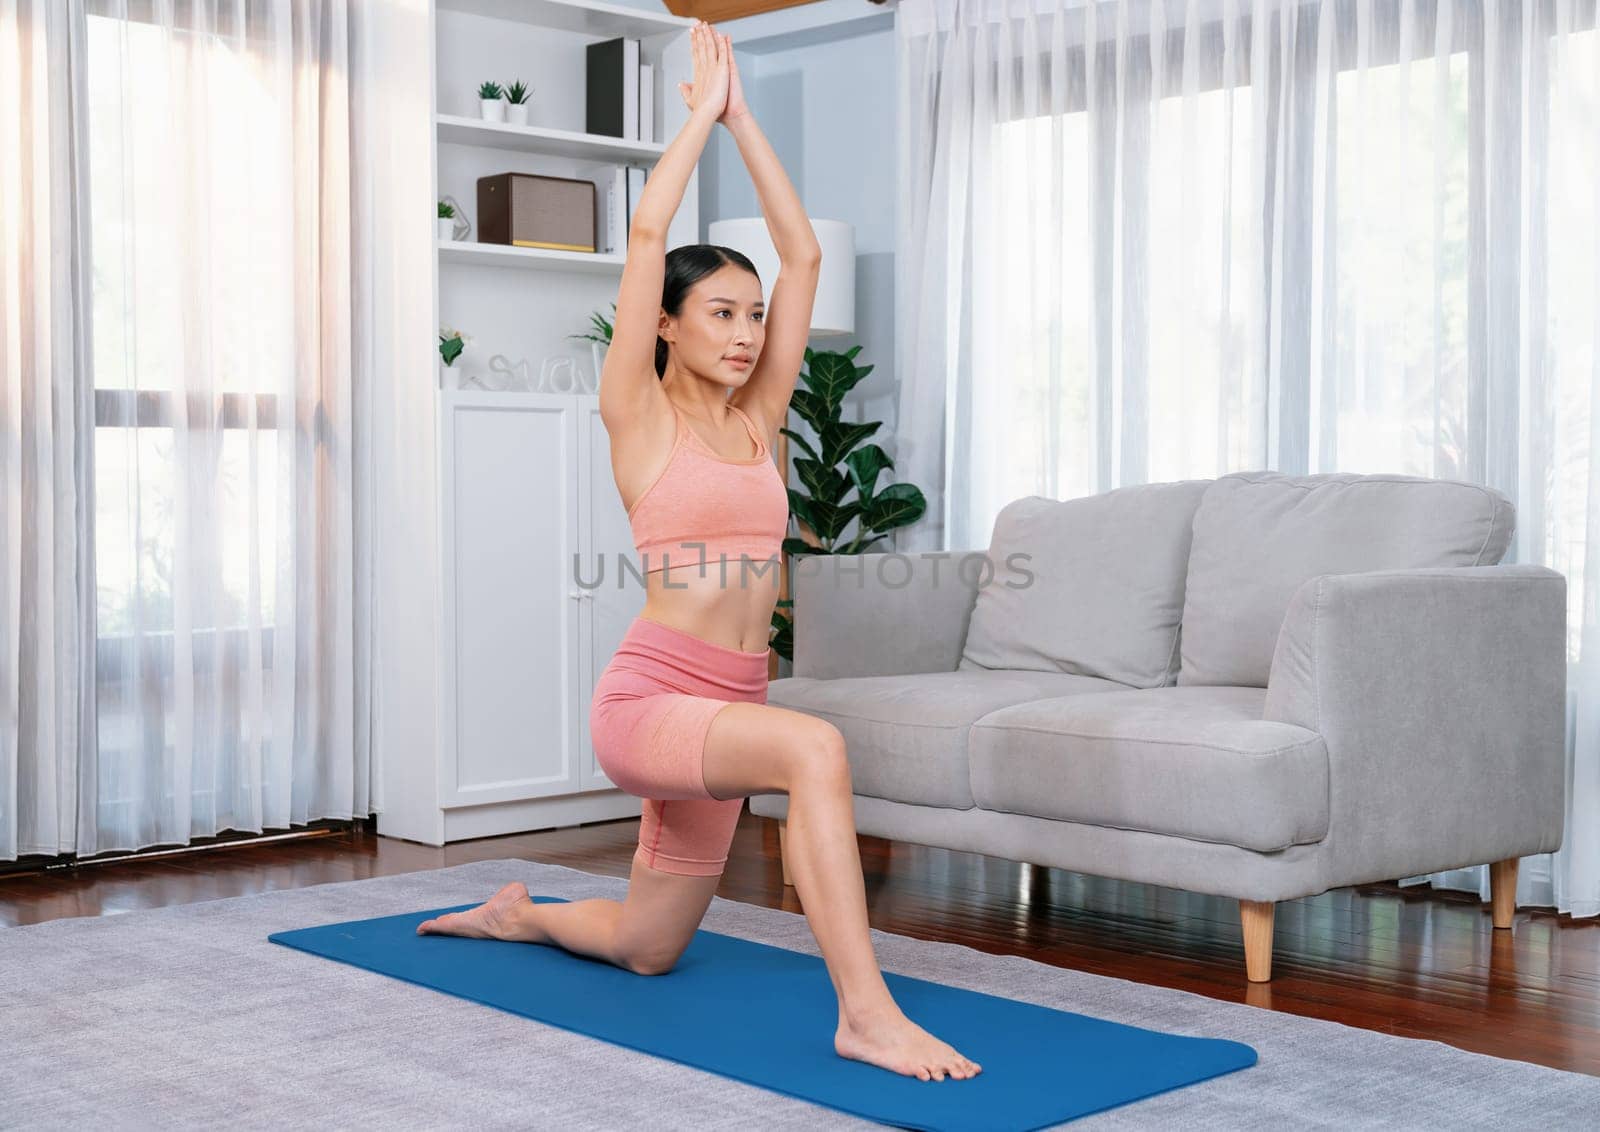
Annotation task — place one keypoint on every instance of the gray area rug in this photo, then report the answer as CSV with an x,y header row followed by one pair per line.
x,y
185,1016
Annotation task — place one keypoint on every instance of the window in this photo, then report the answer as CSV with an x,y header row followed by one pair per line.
x,y
191,311
1395,396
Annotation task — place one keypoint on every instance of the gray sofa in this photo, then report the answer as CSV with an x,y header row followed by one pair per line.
x,y
1260,686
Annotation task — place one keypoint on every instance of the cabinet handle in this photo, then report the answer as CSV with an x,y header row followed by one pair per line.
x,y
574,595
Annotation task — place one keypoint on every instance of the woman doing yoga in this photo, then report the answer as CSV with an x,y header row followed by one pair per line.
x,y
679,715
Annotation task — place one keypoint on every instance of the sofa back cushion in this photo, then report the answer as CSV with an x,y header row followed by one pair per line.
x,y
1100,592
1259,535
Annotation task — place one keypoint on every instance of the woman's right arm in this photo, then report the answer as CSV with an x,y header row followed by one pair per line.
x,y
628,382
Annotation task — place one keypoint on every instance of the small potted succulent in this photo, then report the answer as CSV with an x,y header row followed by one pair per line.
x,y
489,102
517,103
447,220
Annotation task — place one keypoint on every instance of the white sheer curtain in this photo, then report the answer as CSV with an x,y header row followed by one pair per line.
x,y
1144,241
46,414
230,611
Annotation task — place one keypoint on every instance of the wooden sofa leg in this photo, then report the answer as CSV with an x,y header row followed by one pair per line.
x,y
1503,890
783,853
1256,918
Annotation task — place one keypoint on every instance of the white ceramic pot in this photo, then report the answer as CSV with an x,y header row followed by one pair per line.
x,y
517,113
447,228
494,109
447,377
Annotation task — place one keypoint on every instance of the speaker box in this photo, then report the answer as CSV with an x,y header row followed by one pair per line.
x,y
531,211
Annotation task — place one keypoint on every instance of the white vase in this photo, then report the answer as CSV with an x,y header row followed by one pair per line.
x,y
517,113
447,228
598,351
447,377
494,109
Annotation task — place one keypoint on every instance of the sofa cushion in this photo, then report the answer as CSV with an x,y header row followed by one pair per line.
x,y
1199,763
906,736
1100,591
1259,535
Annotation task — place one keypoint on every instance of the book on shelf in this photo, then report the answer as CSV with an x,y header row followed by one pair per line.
x,y
647,102
615,237
619,193
612,88
636,176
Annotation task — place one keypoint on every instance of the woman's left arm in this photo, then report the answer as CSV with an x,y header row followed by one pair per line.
x,y
788,317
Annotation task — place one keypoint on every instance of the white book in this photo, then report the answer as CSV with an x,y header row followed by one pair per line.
x,y
630,89
616,196
647,102
635,188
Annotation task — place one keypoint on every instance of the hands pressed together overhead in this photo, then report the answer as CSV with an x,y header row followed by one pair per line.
x,y
716,75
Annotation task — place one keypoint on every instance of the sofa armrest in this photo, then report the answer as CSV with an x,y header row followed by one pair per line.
x,y
882,614
1441,696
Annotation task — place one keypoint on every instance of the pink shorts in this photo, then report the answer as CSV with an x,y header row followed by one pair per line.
x,y
652,707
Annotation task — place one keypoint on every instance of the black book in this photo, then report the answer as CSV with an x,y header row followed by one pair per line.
x,y
612,82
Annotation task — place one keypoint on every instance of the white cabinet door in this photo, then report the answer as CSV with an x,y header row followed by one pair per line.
x,y
607,543
510,471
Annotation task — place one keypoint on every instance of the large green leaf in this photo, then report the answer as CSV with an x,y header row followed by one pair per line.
x,y
865,464
813,409
801,506
801,441
834,517
823,481
895,506
832,376
839,437
782,640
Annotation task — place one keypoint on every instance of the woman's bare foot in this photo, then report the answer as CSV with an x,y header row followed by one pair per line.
x,y
486,921
892,1041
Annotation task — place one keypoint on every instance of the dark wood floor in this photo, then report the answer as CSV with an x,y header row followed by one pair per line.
x,y
1412,961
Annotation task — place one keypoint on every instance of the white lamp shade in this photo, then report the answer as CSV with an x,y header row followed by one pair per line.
x,y
834,310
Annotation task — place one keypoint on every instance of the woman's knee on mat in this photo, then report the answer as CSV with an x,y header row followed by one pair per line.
x,y
659,919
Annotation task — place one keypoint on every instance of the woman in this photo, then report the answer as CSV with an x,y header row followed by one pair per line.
x,y
679,716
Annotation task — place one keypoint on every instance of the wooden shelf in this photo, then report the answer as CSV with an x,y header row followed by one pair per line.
x,y
504,255
586,17
456,130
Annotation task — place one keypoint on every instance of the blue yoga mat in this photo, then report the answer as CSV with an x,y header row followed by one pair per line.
x,y
766,1015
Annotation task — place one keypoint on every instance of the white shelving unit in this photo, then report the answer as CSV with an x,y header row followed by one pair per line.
x,y
548,259
454,129
584,17
524,477
531,312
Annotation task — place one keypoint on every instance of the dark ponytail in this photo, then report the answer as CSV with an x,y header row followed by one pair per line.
x,y
686,266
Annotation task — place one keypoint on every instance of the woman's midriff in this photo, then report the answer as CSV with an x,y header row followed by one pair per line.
x,y
734,611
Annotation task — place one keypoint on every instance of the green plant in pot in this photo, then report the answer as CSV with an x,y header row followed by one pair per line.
x,y
823,510
451,344
600,328
517,103
599,339
490,103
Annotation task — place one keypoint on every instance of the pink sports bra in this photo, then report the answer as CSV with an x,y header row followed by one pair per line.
x,y
708,509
